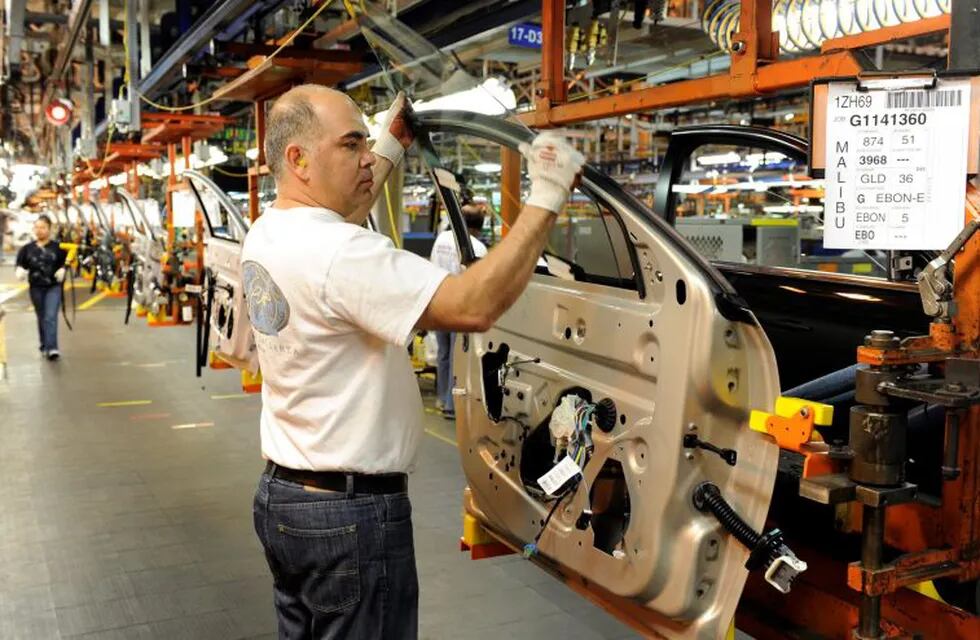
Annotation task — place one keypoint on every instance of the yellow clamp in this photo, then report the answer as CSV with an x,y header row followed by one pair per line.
x,y
792,423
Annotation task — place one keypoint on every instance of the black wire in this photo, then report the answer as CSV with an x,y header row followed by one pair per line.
x,y
568,492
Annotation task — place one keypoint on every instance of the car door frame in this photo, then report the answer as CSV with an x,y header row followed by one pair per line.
x,y
657,240
594,183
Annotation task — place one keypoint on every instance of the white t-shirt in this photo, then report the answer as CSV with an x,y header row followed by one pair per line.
x,y
333,308
445,254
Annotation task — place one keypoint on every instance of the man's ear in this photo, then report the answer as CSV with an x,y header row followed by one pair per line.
x,y
297,161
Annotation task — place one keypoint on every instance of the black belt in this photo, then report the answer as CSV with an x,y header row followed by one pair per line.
x,y
340,480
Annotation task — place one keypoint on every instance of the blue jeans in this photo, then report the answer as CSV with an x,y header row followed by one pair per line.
x,y
47,301
343,564
444,369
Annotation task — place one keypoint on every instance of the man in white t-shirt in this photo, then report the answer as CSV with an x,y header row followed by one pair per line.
x,y
446,255
333,307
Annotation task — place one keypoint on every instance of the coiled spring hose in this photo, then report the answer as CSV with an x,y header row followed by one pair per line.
x,y
767,551
803,25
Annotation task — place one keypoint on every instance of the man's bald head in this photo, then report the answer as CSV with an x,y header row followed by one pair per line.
x,y
317,148
298,117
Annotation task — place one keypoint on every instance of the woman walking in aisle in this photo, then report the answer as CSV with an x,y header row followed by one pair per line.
x,y
42,264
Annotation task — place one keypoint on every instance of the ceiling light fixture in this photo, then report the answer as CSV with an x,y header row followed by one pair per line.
x,y
58,111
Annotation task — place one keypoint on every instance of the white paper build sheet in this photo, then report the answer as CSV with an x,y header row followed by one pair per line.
x,y
896,166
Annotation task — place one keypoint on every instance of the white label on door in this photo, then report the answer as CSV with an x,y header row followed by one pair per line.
x,y
896,166
565,470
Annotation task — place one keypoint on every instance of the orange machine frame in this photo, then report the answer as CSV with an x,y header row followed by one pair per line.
x,y
820,601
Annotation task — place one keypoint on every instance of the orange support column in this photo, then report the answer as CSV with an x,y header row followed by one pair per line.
x,y
254,172
134,181
754,42
553,89
198,240
171,185
163,319
510,187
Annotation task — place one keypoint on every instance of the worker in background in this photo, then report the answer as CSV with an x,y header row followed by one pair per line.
x,y
333,307
42,264
3,234
446,255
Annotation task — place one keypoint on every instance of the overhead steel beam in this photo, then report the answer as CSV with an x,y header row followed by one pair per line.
x,y
86,115
323,55
779,76
460,34
104,35
77,20
13,40
133,51
34,17
146,61
190,42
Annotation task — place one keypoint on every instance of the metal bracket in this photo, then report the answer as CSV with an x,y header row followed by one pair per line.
x,y
906,570
958,390
837,488
935,286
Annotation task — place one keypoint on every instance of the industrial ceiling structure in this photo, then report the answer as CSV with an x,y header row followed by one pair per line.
x,y
113,59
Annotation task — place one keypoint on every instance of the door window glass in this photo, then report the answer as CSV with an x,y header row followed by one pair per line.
x,y
587,242
216,211
750,205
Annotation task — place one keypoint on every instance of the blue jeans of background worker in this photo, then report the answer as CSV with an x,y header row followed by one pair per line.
x,y
343,564
47,302
444,370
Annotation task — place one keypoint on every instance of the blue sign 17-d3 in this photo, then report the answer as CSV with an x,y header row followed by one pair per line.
x,y
525,35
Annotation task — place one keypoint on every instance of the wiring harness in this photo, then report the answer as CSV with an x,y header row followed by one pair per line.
x,y
766,551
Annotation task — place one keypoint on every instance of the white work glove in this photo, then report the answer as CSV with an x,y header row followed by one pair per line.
x,y
20,273
552,164
396,135
59,275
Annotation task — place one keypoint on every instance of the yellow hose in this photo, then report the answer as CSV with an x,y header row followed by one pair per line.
x,y
391,219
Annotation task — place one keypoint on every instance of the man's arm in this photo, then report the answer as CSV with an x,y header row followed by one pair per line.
x,y
475,299
395,137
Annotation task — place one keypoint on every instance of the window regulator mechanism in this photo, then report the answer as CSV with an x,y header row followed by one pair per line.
x,y
505,368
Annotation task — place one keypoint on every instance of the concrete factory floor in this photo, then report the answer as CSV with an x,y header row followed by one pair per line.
x,y
127,491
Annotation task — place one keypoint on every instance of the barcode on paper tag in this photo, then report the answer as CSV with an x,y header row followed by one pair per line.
x,y
924,99
565,470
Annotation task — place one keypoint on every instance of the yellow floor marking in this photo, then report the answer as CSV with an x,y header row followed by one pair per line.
x,y
434,412
124,403
439,436
193,425
93,301
17,290
233,396
149,416
152,365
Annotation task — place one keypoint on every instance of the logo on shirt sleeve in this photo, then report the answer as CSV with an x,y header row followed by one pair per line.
x,y
267,307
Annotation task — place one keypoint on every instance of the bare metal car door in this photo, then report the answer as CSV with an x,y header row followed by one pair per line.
x,y
145,275
674,352
228,332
